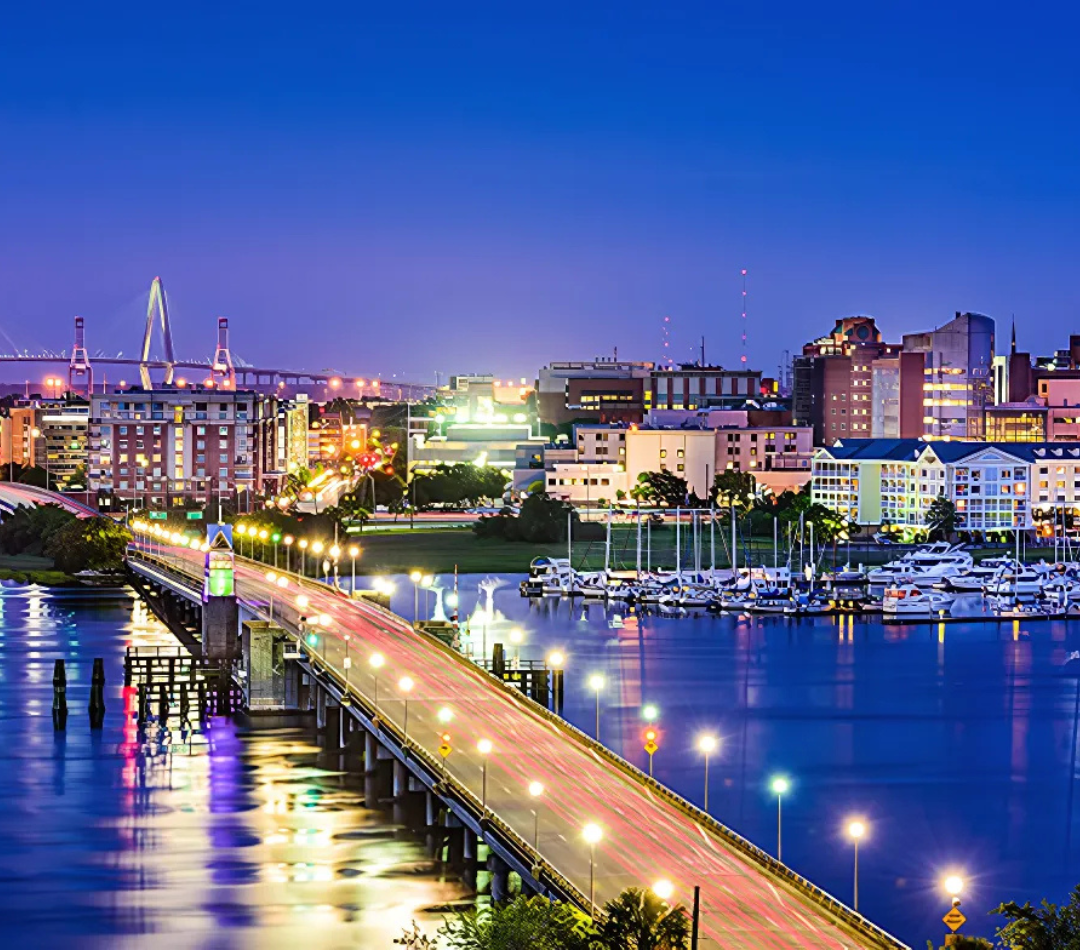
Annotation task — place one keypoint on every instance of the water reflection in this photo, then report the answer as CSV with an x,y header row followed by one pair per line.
x,y
958,741
256,839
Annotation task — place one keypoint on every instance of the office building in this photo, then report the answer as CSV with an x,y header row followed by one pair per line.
x,y
600,390
691,387
958,380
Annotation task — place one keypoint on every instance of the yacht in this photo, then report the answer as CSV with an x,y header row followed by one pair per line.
x,y
549,575
927,564
1015,582
911,600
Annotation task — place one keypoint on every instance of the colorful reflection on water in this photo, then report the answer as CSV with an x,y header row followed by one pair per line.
x,y
255,840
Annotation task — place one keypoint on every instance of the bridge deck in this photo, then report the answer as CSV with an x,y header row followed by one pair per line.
x,y
748,899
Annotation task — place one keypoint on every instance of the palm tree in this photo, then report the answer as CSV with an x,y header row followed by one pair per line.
x,y
639,920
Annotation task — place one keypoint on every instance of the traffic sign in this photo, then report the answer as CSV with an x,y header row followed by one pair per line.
x,y
194,516
651,747
444,749
954,920
158,515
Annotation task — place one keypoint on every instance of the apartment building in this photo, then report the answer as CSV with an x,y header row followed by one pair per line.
x,y
164,447
994,486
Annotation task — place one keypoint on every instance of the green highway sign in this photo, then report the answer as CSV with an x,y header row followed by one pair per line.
x,y
158,515
194,516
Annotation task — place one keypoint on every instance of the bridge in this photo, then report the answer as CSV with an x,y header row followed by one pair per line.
x,y
221,371
748,899
17,495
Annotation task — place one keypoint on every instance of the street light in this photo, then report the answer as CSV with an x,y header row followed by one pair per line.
x,y
555,660
303,557
405,684
484,747
663,889
415,577
596,683
650,713
288,542
354,553
780,786
592,834
856,831
707,745
376,662
271,578
536,790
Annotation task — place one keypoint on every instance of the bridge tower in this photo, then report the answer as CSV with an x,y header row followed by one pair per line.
x,y
157,307
222,372
79,371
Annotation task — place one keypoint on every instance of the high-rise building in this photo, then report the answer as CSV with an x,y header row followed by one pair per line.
x,y
833,382
958,383
162,448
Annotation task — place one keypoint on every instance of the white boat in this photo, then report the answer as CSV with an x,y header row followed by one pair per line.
x,y
911,600
1011,582
549,575
769,600
928,564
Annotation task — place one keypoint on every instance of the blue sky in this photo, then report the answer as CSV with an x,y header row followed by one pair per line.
x,y
418,187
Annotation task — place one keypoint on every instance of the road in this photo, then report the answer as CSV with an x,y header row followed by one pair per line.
x,y
645,838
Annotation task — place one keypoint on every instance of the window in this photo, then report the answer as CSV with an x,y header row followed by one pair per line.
x,y
223,430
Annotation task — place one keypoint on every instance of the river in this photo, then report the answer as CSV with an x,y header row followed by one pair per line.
x,y
254,841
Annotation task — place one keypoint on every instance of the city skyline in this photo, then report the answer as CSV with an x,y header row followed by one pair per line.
x,y
411,185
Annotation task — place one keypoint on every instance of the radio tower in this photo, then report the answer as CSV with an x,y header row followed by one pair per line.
x,y
665,341
742,358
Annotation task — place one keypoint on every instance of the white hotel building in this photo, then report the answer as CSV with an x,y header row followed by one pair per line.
x,y
995,486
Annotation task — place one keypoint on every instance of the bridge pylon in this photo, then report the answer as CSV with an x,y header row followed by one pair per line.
x,y
222,371
158,307
80,373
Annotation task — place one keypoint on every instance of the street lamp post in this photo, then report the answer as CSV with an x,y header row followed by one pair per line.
x,y
707,745
415,577
275,537
303,557
596,683
354,552
376,662
484,748
592,835
856,831
288,542
405,684
780,787
346,665
316,549
536,790
444,715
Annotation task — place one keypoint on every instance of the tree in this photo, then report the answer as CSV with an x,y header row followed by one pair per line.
x,y
28,530
525,923
1047,927
732,487
639,920
663,488
941,517
89,544
542,519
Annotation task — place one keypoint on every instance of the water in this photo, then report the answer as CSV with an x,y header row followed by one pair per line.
x,y
254,843
957,743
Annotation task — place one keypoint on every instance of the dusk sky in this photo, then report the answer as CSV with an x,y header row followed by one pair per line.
x,y
409,188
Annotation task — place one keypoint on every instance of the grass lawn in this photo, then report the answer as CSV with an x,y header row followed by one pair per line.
x,y
437,551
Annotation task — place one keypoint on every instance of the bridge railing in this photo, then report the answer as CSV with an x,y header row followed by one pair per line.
x,y
363,685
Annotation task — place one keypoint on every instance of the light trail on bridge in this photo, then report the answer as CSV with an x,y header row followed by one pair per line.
x,y
745,905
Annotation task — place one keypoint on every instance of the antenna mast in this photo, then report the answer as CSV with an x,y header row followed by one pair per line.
x,y
742,358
